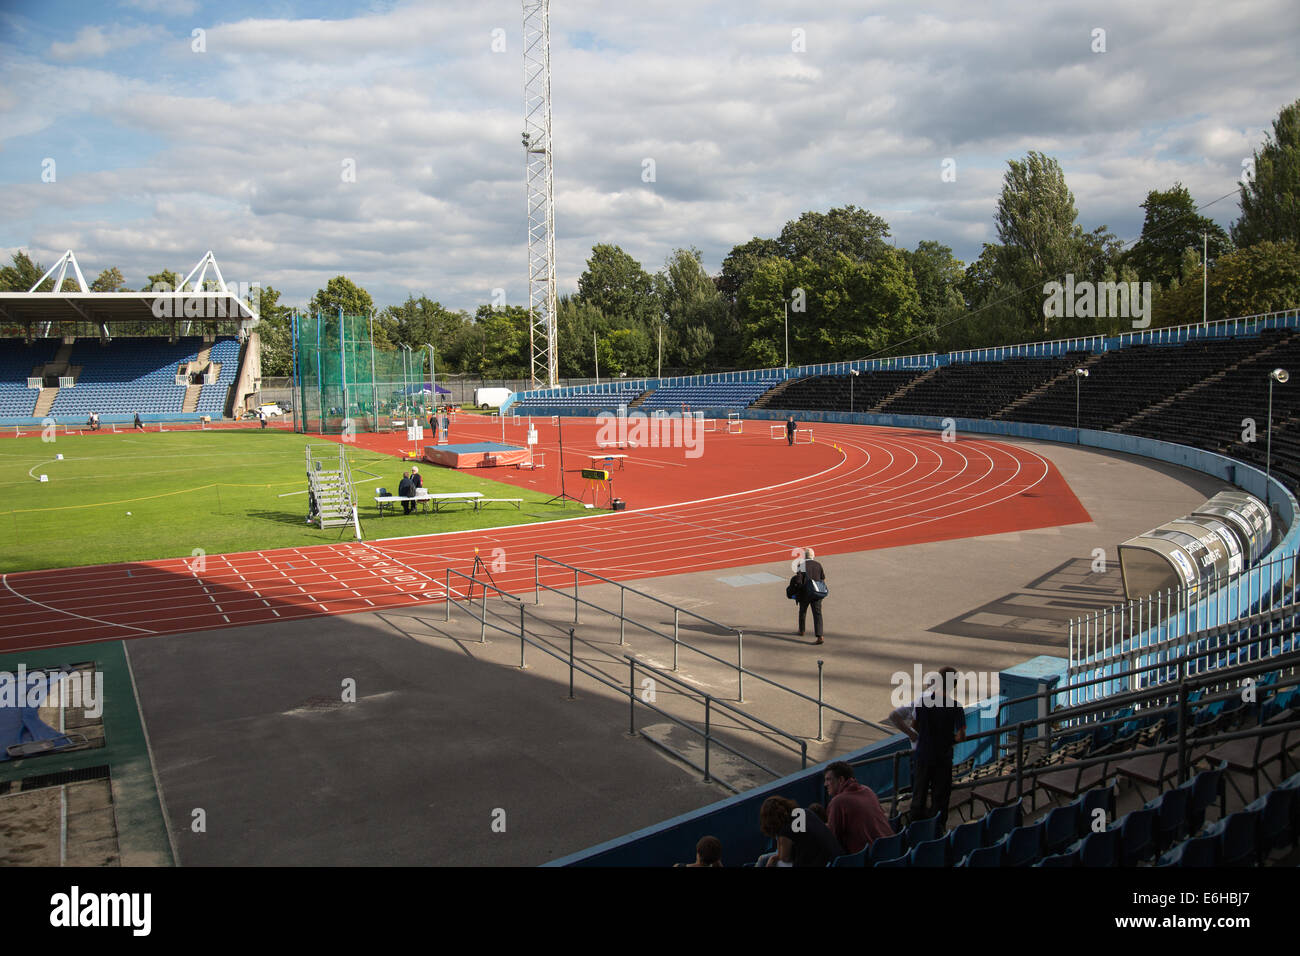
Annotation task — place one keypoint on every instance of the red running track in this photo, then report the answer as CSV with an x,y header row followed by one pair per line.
x,y
871,488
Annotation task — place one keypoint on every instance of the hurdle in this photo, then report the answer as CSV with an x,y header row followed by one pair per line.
x,y
807,434
778,431
555,419
514,418
734,425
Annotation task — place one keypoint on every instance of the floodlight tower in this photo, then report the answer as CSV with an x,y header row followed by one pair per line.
x,y
539,176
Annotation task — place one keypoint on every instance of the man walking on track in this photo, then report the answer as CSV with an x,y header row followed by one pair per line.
x,y
805,592
789,429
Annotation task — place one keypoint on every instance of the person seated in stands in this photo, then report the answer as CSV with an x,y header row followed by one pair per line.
x,y
801,837
138,424
855,816
708,852
406,491
820,810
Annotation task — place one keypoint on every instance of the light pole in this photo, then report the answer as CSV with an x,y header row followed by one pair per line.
x,y
433,378
1279,375
1079,375
786,303
853,373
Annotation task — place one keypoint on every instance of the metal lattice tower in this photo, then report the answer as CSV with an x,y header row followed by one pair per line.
x,y
538,174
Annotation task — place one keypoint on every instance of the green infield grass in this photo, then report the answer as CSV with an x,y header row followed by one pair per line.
x,y
140,496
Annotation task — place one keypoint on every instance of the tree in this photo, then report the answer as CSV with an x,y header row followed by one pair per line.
x,y
616,284
1172,226
341,293
1270,201
627,351
937,275
110,280
1036,218
576,323
165,281
417,322
849,231
1263,277
850,308
275,331
503,342
21,275
741,262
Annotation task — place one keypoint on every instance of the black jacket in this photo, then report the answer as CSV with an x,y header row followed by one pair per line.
x,y
405,489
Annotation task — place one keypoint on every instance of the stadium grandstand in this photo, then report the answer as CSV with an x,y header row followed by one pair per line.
x,y
187,354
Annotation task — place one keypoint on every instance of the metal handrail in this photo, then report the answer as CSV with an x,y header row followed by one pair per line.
x,y
542,646
1181,690
1271,662
739,666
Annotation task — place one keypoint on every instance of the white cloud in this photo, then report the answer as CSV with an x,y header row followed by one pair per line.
x,y
745,133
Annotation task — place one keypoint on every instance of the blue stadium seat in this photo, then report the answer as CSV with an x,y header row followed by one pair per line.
x,y
1137,836
965,838
1001,821
888,848
1023,845
930,853
1238,839
923,830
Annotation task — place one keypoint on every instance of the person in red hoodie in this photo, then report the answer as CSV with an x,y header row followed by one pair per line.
x,y
854,815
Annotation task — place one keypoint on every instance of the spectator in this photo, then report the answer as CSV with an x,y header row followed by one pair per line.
x,y
819,809
940,724
139,425
708,852
406,491
801,838
855,816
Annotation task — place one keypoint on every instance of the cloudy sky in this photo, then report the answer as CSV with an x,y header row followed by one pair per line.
x,y
170,127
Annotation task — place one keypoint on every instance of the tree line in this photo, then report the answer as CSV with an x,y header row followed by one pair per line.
x,y
846,292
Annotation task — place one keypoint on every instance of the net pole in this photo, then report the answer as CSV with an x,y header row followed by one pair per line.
x,y
320,378
374,393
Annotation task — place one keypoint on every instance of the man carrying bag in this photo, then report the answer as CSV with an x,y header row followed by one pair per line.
x,y
808,587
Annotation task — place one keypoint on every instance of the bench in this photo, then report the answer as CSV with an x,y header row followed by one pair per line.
x,y
597,459
517,502
427,499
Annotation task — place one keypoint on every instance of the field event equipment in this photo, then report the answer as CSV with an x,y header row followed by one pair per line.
x,y
344,385
330,497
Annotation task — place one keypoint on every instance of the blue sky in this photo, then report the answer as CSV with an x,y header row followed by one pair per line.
x,y
752,113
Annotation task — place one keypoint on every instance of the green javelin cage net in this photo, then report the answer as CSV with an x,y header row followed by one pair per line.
x,y
342,377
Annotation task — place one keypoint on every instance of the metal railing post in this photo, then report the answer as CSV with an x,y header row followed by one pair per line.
x,y
803,754
708,704
676,618
575,595
740,667
622,620
537,583
482,627
1020,759
447,586
820,734
522,606
631,697
570,663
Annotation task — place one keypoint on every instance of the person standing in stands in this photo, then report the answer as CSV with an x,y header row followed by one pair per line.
x,y
790,425
802,591
139,425
855,815
406,491
940,723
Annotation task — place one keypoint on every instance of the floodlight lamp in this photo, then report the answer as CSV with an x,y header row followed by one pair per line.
x,y
1081,372
1280,375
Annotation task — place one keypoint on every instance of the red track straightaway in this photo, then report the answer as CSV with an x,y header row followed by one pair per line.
x,y
862,488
